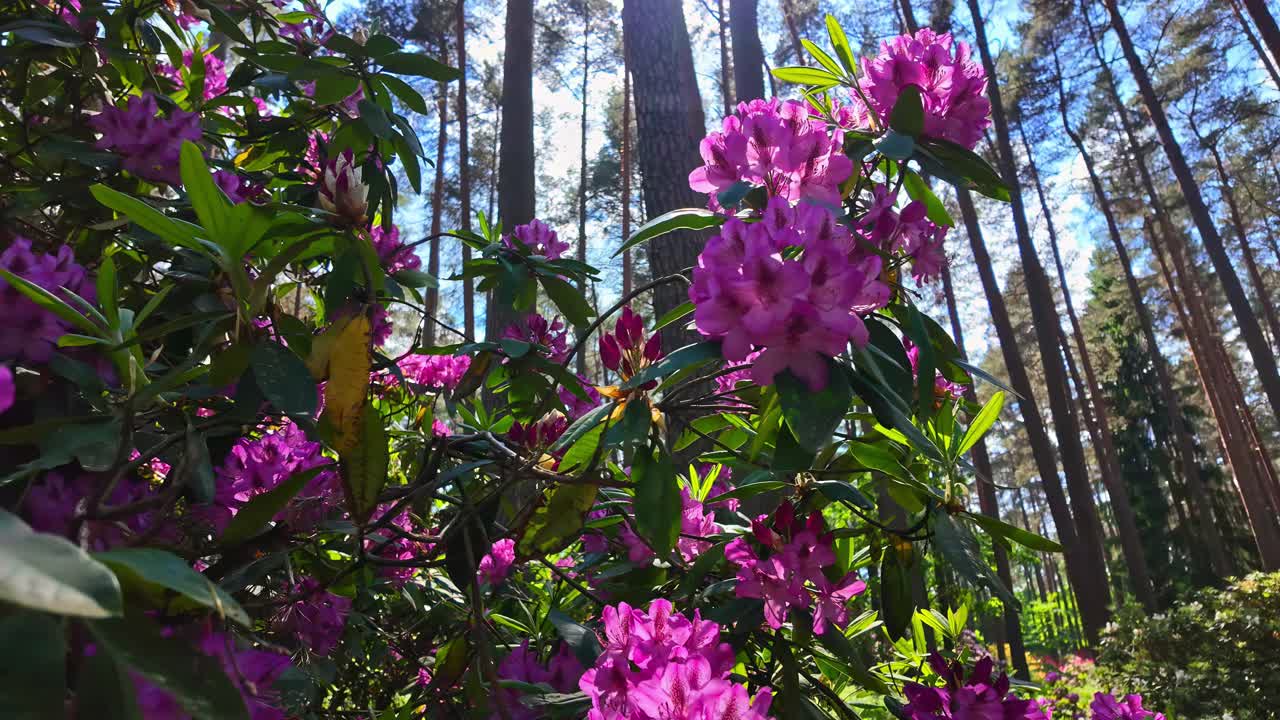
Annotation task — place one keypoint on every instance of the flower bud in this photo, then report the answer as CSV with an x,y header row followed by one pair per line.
x,y
610,353
653,348
361,35
342,189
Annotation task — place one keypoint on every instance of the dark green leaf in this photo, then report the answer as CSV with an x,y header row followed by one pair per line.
x,y
335,86
32,666
686,356
958,545
583,425
847,492
677,313
284,379
255,514
559,521
106,687
632,427
979,372
375,118
750,490
657,501
198,467
963,167
1016,534
44,33
584,643
405,63
907,116
814,416
896,602
569,300
405,92
48,573
207,199
683,219
148,218
172,572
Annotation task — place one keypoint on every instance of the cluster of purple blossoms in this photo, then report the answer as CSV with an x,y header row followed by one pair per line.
x,y
215,73
943,389
561,673
149,145
538,330
28,332
953,86
236,188
496,564
782,146
792,571
435,372
254,672
256,465
539,434
316,617
1110,707
8,391
626,350
392,253
907,232
696,523
313,30
537,238
753,292
574,406
981,697
395,544
52,502
660,664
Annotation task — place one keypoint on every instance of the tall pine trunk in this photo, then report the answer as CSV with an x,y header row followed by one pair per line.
x,y
464,167
793,30
1267,27
668,133
437,207
726,89
516,200
748,55
582,163
626,161
1092,584
1253,42
1264,359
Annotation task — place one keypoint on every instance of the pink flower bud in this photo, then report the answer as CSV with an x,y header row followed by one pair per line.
x,y
610,353
342,189
653,348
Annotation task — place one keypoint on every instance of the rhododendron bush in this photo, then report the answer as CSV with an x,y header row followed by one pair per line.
x,y
232,490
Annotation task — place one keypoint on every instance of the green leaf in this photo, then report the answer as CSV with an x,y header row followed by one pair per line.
x,y
44,33
979,372
814,416
841,490
682,219
982,422
657,501
854,659
823,58
199,468
879,458
32,666
583,425
687,356
406,63
632,427
806,76
405,93
364,467
255,514
918,189
840,42
375,118
335,86
195,680
962,167
907,116
284,379
149,219
48,573
207,199
673,315
702,565
960,548
895,145
580,639
558,522
1025,538
108,290
167,570
896,602
50,302
750,490
569,300
106,686
891,416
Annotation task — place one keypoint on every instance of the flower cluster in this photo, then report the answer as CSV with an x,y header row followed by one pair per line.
x,y
943,389
436,372
28,332
908,232
537,238
392,253
396,544
1110,707
8,391
626,351
660,664
537,330
791,573
561,672
695,523
258,464
782,146
254,672
751,291
316,617
342,188
149,145
980,696
496,564
953,86
236,188
574,406
215,73
52,502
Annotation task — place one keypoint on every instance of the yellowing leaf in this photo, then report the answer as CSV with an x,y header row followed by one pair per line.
x,y
558,522
364,463
348,384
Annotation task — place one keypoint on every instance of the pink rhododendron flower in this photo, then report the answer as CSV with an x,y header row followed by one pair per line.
x,y
659,665
779,145
28,332
791,570
439,429
392,253
237,189
942,387
215,73
576,407
750,291
538,239
7,389
561,672
539,435
981,697
695,523
953,86
392,545
1109,707
434,372
52,502
148,145
317,618
537,330
907,232
496,565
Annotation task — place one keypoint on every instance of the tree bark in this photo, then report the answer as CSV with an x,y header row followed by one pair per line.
x,y
1092,586
726,89
748,55
626,161
1253,42
516,199
1264,359
668,135
793,30
464,167
1267,27
582,166
437,208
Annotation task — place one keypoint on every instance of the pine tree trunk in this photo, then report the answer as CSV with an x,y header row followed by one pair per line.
x,y
464,167
626,161
1267,27
1253,42
1093,589
726,89
793,30
748,55
1240,458
668,134
437,208
1264,359
582,167
516,199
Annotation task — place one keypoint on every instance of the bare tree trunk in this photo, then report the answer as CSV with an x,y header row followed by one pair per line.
x,y
668,135
1094,594
582,167
627,271
516,199
437,208
789,19
1253,42
464,167
1267,27
1264,359
726,88
748,55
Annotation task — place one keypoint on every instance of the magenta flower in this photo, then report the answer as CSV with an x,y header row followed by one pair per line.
x,y
434,372
1109,707
148,145
981,697
237,189
626,350
943,389
576,407
317,617
52,502
537,330
537,239
953,85
392,545
215,73
561,673
695,523
28,332
7,389
496,565
392,253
